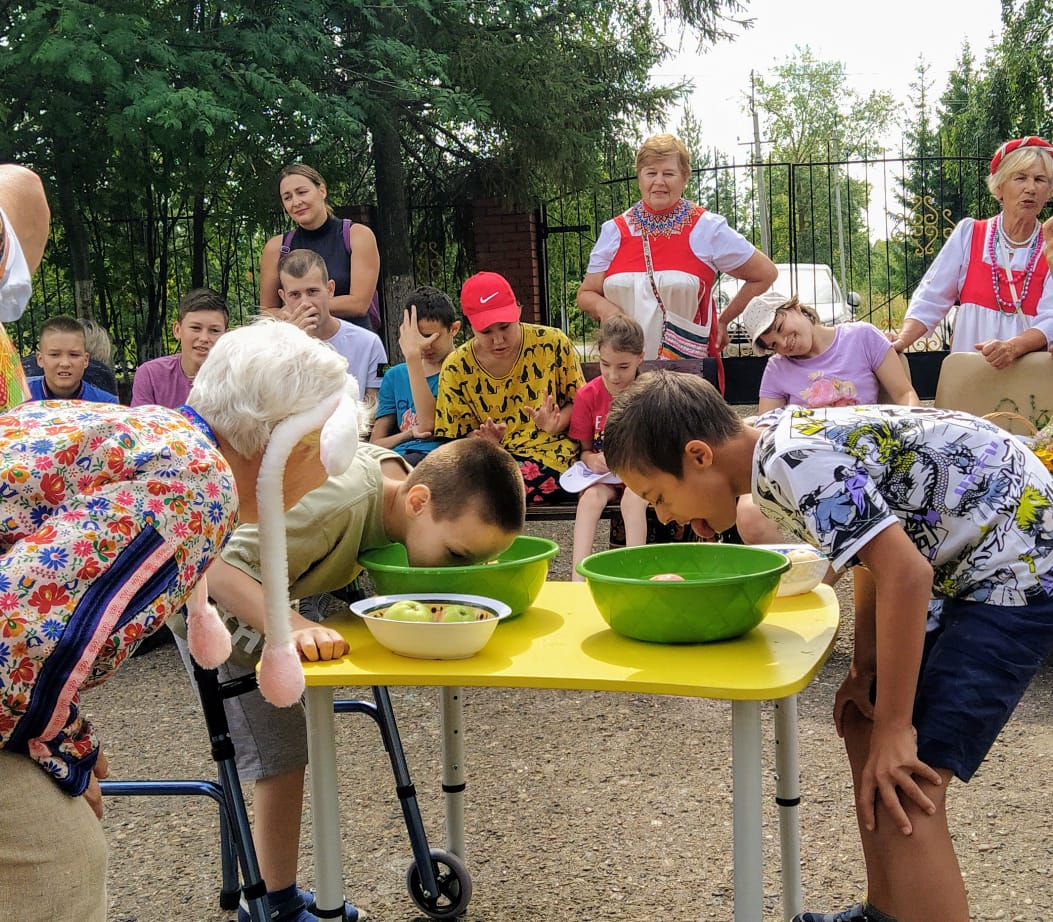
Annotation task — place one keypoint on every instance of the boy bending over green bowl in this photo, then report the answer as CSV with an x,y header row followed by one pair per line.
x,y
927,501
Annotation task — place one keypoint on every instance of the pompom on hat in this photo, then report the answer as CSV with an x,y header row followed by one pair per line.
x,y
281,679
1017,144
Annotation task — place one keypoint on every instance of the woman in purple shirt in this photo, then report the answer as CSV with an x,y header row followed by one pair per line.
x,y
814,365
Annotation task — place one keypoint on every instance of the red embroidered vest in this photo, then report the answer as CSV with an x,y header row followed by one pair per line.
x,y
672,253
978,287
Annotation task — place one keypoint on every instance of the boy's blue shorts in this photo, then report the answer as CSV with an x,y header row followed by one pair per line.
x,y
975,668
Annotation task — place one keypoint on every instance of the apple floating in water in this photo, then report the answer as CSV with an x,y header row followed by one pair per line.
x,y
667,578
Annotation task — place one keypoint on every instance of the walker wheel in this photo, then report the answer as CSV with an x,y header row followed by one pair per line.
x,y
454,885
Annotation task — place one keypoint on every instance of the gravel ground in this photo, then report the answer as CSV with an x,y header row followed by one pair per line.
x,y
581,806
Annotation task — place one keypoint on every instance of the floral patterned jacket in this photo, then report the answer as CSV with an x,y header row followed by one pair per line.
x,y
108,517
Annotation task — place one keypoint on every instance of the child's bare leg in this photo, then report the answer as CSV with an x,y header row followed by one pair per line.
x,y
634,514
277,804
913,878
590,508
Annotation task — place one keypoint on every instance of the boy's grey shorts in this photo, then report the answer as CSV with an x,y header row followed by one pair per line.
x,y
267,740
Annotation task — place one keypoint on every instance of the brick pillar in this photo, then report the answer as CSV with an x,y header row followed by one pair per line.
x,y
359,214
507,242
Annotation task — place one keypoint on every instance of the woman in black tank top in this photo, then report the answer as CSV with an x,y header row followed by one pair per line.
x,y
353,264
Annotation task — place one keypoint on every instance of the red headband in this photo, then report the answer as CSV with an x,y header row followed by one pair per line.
x,y
1016,144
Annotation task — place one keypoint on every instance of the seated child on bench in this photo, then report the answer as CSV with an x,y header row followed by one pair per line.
x,y
620,344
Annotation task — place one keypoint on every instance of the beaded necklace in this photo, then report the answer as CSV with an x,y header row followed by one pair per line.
x,y
661,224
1010,307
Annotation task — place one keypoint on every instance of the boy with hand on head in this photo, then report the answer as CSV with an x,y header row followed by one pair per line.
x,y
930,502
463,503
306,290
408,391
63,357
166,381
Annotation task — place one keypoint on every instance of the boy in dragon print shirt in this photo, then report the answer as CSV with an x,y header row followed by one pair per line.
x,y
929,502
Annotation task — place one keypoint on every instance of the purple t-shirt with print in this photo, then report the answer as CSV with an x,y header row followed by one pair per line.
x,y
843,375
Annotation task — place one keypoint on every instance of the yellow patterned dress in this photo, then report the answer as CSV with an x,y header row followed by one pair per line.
x,y
469,395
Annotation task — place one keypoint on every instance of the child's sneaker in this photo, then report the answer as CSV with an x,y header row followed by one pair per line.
x,y
855,913
296,907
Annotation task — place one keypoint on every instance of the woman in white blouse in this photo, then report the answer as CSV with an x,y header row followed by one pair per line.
x,y
688,246
994,268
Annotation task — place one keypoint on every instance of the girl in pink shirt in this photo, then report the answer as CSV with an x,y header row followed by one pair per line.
x,y
620,342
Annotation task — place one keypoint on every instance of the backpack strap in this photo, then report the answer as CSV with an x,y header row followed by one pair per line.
x,y
286,244
347,235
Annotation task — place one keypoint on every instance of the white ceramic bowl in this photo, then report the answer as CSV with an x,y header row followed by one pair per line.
x,y
429,639
804,574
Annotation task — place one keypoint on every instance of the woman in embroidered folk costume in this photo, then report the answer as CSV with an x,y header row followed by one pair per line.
x,y
109,518
660,258
994,268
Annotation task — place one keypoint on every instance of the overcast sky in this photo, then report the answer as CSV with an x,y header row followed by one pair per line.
x,y
879,43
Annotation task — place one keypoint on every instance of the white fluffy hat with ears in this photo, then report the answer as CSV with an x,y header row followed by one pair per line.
x,y
281,675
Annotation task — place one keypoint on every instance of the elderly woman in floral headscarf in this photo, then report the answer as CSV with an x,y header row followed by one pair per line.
x,y
994,268
665,253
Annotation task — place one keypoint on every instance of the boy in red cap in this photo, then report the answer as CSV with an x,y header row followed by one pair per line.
x,y
513,383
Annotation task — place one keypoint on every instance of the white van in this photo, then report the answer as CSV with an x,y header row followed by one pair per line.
x,y
813,283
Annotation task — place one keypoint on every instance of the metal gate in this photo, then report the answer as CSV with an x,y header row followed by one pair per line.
x,y
877,223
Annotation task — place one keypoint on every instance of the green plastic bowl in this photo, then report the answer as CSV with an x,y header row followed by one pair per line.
x,y
726,590
515,579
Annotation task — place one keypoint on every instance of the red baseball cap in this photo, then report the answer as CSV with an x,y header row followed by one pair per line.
x,y
1016,144
486,299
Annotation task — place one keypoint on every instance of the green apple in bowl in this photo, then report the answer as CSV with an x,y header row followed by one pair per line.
x,y
462,613
446,625
408,610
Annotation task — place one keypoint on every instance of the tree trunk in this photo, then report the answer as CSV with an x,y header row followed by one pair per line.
x,y
76,236
197,253
393,226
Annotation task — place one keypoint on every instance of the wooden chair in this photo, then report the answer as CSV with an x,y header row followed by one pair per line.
x,y
884,396
1025,389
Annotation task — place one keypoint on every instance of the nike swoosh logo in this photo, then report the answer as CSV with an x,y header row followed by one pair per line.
x,y
489,297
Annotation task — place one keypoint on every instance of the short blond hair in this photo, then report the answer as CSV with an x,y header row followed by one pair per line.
x,y
1023,158
659,147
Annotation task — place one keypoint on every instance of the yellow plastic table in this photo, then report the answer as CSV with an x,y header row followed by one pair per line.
x,y
563,642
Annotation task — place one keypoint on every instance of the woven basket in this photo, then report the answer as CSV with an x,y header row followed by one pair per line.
x,y
1008,416
1039,441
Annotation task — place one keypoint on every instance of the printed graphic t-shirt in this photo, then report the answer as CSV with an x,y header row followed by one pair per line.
x,y
468,395
976,502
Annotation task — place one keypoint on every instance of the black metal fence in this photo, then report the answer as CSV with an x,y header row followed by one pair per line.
x,y
877,223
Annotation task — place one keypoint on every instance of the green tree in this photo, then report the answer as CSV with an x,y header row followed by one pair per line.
x,y
140,113
510,100
815,122
160,126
